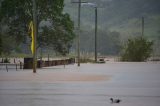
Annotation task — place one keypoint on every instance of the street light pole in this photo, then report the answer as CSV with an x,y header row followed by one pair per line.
x,y
95,34
78,43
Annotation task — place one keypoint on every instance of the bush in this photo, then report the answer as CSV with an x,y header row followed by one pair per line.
x,y
137,49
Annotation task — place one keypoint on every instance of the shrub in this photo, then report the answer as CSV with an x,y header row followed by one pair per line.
x,y
137,49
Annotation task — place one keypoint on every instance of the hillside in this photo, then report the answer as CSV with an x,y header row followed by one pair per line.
x,y
122,16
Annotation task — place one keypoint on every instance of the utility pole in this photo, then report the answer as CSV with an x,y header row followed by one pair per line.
x,y
78,39
35,36
95,34
142,26
79,16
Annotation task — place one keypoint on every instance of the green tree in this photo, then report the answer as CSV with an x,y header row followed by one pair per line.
x,y
108,42
60,36
137,49
8,45
16,15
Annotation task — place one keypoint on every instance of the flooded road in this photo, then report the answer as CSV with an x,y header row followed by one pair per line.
x,y
136,84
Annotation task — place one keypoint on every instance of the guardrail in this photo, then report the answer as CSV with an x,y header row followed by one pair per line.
x,y
28,63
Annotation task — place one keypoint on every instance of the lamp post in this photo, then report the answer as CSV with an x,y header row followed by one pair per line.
x,y
95,7
95,34
79,15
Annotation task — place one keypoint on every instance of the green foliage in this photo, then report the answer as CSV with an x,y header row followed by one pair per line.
x,y
8,44
137,49
108,43
16,15
58,37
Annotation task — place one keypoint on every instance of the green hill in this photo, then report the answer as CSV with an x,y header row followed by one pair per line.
x,y
122,16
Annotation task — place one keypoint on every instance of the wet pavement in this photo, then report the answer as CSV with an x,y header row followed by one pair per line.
x,y
136,84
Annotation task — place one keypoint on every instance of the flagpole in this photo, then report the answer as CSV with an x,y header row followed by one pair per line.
x,y
35,38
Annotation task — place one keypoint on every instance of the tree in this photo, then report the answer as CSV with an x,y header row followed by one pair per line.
x,y
16,15
7,44
60,36
137,49
108,42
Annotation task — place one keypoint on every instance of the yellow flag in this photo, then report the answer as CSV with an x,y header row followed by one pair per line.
x,y
31,28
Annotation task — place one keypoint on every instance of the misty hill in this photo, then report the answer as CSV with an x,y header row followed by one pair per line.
x,y
122,16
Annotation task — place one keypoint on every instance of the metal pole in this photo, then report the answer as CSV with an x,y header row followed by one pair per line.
x,y
78,42
35,33
6,67
78,39
41,54
95,34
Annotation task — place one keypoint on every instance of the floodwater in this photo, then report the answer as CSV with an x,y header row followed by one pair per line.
x,y
136,84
